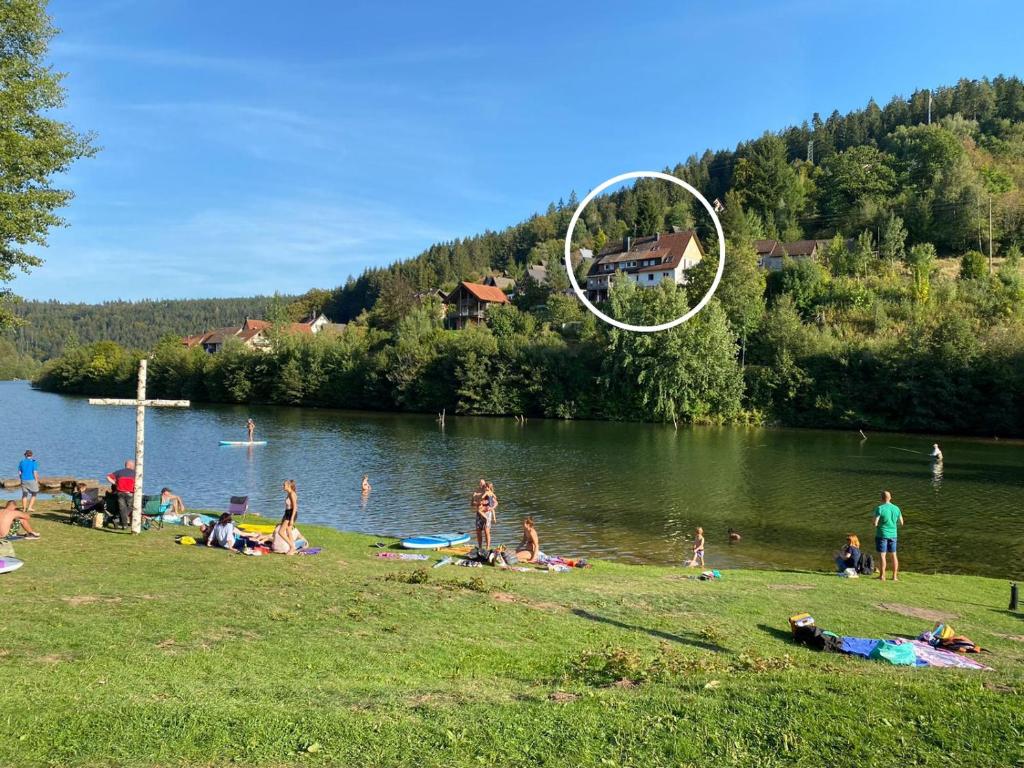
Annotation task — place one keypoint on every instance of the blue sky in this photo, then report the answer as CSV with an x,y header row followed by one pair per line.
x,y
252,147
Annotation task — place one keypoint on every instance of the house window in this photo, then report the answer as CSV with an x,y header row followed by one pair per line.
x,y
665,274
650,276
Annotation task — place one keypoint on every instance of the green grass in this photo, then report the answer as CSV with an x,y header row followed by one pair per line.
x,y
135,651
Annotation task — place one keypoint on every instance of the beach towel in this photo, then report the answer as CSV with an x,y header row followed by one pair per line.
x,y
309,551
936,657
859,646
400,556
896,653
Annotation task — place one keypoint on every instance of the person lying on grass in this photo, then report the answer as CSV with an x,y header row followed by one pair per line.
x,y
528,550
9,514
226,535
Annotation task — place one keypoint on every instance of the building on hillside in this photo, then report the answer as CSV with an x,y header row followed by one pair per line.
x,y
538,273
431,293
506,284
468,303
770,253
647,261
255,333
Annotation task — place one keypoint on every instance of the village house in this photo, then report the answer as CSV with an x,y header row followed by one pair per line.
x,y
506,284
770,253
647,261
468,303
254,334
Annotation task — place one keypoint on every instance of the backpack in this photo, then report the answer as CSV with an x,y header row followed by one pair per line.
x,y
866,566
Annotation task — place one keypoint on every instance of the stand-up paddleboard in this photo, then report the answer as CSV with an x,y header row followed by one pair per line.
x,y
256,527
8,564
435,542
242,442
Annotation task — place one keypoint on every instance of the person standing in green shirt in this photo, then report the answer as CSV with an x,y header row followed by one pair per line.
x,y
888,518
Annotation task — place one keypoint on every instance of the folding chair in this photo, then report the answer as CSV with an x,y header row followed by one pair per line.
x,y
238,505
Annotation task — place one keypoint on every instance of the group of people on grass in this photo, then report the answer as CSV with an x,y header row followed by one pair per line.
x,y
484,503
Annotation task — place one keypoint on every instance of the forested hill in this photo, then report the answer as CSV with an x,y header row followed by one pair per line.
x,y
50,326
934,166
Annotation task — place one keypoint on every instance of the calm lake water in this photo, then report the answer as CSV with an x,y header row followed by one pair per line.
x,y
631,492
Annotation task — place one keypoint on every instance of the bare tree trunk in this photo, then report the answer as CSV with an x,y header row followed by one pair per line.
x,y
140,448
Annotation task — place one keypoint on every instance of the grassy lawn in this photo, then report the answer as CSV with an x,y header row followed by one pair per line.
x,y
135,651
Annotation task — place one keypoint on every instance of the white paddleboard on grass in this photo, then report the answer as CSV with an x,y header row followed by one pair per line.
x,y
8,564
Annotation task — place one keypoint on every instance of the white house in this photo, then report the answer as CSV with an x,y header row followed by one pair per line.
x,y
647,261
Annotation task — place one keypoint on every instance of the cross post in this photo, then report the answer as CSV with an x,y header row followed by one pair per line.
x,y
140,403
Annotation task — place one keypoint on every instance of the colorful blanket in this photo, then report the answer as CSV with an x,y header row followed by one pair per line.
x,y
401,556
936,657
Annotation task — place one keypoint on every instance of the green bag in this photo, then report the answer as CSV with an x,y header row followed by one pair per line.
x,y
901,654
6,549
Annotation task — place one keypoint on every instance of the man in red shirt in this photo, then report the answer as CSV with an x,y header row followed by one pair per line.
x,y
124,480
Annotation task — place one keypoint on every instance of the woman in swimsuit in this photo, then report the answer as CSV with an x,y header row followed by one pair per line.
x,y
528,550
291,512
171,503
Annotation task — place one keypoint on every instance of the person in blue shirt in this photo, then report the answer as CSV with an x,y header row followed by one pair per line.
x,y
849,555
28,473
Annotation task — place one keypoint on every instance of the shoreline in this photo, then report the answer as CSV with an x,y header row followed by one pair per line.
x,y
452,416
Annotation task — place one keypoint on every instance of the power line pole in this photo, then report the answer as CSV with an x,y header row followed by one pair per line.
x,y
990,233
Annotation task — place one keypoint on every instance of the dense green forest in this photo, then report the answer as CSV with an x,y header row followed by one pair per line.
x,y
912,317
46,328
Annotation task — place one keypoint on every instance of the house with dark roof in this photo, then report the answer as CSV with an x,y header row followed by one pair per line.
x,y
468,303
255,333
770,253
507,284
647,261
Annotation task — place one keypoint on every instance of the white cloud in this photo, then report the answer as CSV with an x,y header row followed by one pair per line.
x,y
274,245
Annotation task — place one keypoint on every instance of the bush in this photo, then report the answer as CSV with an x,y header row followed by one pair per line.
x,y
973,266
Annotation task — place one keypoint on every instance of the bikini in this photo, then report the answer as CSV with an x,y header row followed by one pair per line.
x,y
289,511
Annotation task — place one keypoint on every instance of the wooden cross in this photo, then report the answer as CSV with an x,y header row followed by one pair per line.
x,y
140,403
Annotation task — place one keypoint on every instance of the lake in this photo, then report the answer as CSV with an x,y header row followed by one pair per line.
x,y
631,492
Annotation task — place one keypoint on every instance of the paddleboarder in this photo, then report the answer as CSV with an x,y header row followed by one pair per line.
x,y
250,427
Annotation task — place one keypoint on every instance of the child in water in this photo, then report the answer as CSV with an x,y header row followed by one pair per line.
x,y
698,549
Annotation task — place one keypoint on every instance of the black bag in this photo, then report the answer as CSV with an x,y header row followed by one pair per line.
x,y
866,566
810,636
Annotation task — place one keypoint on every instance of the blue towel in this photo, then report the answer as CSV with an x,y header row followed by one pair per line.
x,y
859,646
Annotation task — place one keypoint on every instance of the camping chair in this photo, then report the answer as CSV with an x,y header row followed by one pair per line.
x,y
151,513
238,505
84,506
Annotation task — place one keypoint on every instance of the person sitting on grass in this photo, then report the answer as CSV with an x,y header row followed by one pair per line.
x,y
849,555
9,514
528,550
171,503
279,542
223,533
